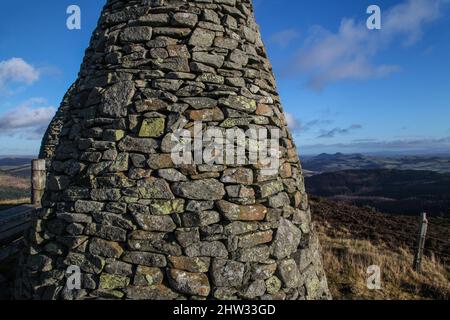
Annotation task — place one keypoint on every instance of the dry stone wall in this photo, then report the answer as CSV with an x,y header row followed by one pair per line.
x,y
136,224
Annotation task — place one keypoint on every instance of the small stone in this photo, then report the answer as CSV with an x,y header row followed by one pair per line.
x,y
212,60
147,276
256,254
120,268
239,57
166,207
207,249
113,281
254,239
263,271
172,175
187,237
158,292
206,115
39,263
200,218
279,200
235,122
269,189
108,249
155,223
255,289
184,19
227,273
198,206
289,274
144,235
84,206
113,135
196,284
146,259
240,191
155,19
154,188
160,161
286,171
105,194
114,220
235,212
226,43
136,34
152,128
210,78
209,189
116,99
239,103
238,176
167,84
202,38
57,183
151,105
200,103
195,264
287,239
143,145
160,246
238,227
273,285
106,232
87,263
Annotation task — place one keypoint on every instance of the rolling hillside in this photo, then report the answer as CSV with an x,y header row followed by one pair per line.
x,y
392,191
338,162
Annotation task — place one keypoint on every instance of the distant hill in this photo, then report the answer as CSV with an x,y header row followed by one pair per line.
x,y
16,166
338,162
15,162
392,191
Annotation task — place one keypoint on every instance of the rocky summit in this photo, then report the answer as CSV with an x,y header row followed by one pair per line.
x,y
121,211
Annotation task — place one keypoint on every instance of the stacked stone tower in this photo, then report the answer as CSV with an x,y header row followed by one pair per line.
x,y
139,226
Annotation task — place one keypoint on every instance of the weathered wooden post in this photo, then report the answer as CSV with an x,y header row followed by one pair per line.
x,y
421,242
38,181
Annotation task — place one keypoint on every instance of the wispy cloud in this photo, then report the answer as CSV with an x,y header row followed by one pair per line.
x,y
16,71
348,54
284,38
28,120
339,131
298,126
293,123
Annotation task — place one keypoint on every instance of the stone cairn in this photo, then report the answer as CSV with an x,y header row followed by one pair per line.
x,y
117,207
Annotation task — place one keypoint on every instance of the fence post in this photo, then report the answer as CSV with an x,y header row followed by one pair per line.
x,y
38,181
421,242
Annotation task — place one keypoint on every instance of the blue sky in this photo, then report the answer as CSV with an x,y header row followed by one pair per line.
x,y
345,88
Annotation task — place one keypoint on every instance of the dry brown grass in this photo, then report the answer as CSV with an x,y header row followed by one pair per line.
x,y
8,181
14,202
346,262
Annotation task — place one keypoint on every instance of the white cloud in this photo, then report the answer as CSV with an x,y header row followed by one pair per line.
x,y
339,131
409,18
284,38
17,70
293,123
348,54
28,120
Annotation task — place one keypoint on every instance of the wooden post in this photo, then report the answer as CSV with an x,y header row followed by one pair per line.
x,y
421,242
38,181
